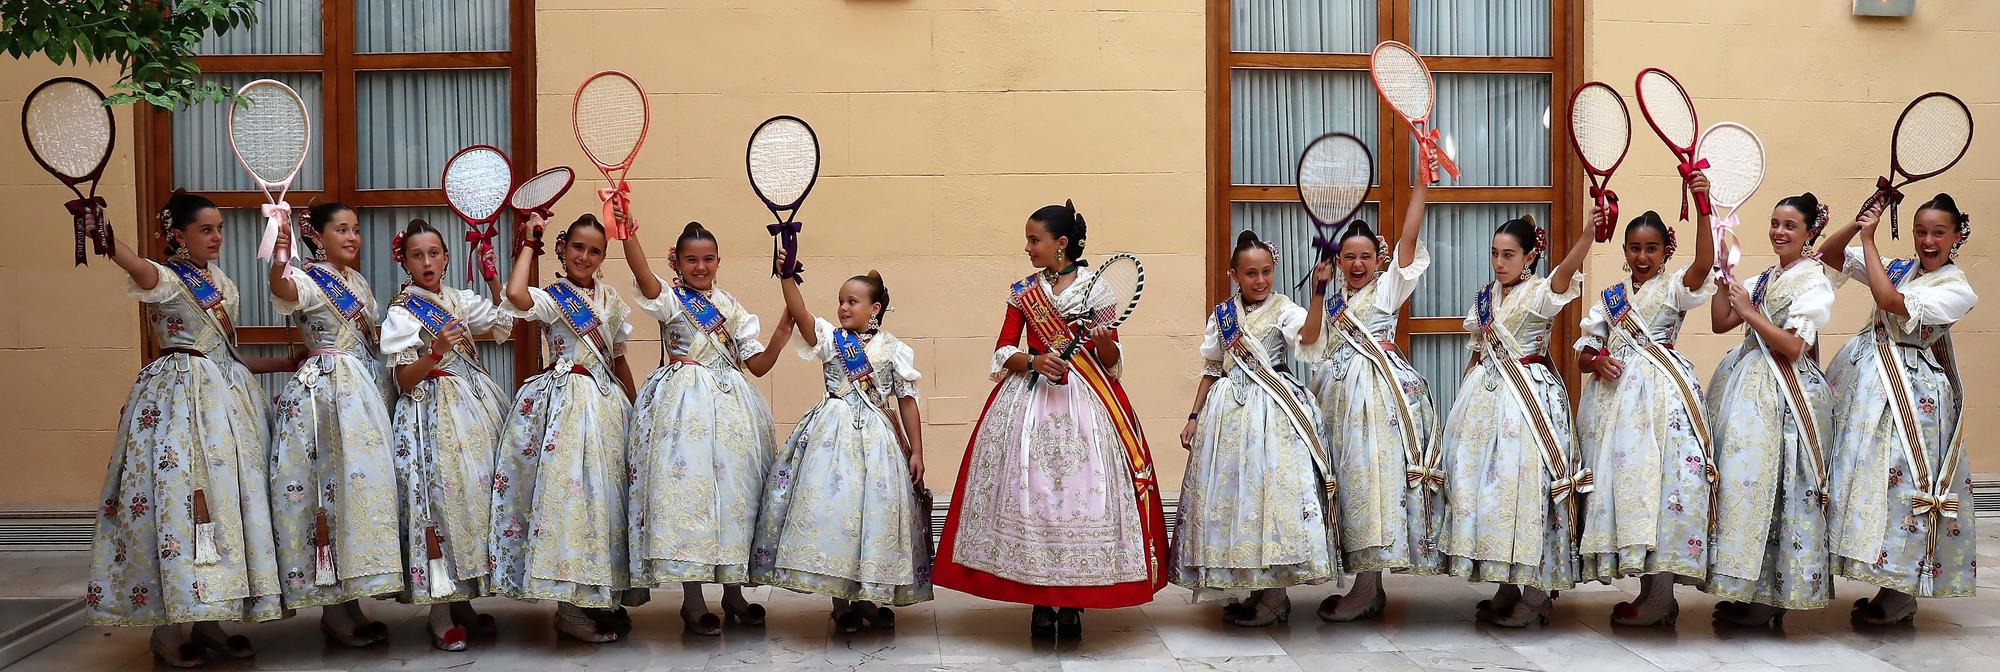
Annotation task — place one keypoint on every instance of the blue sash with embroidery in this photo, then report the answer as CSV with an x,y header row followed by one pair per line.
x,y
1225,322
205,293
1616,303
434,318
1336,303
336,291
700,309
576,311
1483,302
1899,270
1764,281
853,356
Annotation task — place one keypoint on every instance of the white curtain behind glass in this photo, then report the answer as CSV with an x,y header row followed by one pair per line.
x,y
390,26
412,121
1322,26
1481,27
1274,114
1496,126
283,27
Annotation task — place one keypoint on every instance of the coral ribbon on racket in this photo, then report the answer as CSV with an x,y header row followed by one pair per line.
x,y
1434,156
1700,200
78,210
786,249
276,216
617,199
481,239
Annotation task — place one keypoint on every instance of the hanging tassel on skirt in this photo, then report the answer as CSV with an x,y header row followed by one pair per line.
x,y
204,532
441,584
323,574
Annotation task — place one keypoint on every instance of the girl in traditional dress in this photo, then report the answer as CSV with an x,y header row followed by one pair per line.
x,y
1902,496
333,479
560,486
1377,418
447,429
1056,503
841,513
184,530
1641,426
1256,506
701,438
1767,414
1511,472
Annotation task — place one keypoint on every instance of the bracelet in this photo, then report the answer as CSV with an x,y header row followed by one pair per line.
x,y
437,355
1194,415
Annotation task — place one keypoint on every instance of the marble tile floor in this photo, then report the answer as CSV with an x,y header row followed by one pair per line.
x,y
1428,626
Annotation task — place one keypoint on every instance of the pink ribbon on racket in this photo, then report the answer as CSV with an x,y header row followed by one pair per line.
x,y
276,215
1725,257
1700,200
1434,157
481,239
617,198
786,262
1609,200
78,210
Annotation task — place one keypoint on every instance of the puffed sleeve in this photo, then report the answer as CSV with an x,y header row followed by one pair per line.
x,y
820,351
904,359
480,315
663,307
1399,282
1547,304
744,328
402,337
1811,310
1596,327
1211,348
168,287
1684,299
1009,343
1471,322
310,296
541,308
1853,266
1937,305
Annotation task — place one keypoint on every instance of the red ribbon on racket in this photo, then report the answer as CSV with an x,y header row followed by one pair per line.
x,y
1434,157
1889,197
276,215
1607,200
481,239
617,199
78,210
785,250
1701,204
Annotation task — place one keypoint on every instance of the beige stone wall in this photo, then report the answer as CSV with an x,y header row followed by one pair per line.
x,y
1822,88
69,338
944,122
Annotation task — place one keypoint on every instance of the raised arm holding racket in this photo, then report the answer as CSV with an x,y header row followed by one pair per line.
x,y
270,132
610,116
1931,136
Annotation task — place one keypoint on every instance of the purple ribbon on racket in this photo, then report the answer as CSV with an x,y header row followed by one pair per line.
x,y
276,215
481,239
78,210
785,250
1700,200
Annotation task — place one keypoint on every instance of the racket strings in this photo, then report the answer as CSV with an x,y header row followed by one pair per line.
x,y
1334,178
69,128
1602,127
1668,108
477,182
610,119
269,134
1736,164
783,160
1115,291
1932,136
1403,80
539,190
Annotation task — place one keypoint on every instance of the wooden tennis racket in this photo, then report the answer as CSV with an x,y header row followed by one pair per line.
x,y
1670,112
1600,129
1336,172
783,163
70,132
477,181
1402,78
1931,136
610,116
270,132
1734,160
1109,299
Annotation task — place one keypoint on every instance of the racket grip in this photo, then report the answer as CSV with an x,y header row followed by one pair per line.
x,y
1702,205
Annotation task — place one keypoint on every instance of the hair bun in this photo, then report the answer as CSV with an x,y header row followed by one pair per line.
x,y
874,275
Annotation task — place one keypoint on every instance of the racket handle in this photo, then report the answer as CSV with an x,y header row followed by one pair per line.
x,y
1702,205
